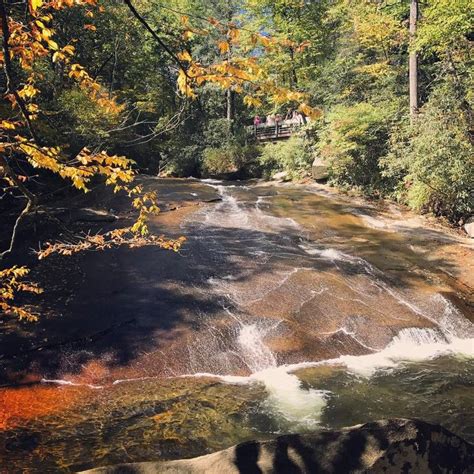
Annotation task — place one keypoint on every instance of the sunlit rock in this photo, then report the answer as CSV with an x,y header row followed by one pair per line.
x,y
319,169
281,176
469,227
390,446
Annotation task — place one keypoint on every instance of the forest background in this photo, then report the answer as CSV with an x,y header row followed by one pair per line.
x,y
103,90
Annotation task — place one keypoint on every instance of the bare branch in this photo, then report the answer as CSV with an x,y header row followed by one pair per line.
x,y
155,36
23,213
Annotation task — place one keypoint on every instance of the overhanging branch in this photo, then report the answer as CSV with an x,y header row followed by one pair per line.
x,y
155,36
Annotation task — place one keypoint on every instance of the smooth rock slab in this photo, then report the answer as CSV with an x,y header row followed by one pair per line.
x,y
387,446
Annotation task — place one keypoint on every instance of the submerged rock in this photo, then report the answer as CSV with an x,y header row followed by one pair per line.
x,y
390,446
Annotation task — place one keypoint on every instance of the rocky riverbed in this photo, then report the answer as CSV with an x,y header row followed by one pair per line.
x,y
290,308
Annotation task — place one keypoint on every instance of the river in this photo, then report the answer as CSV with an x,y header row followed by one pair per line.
x,y
289,309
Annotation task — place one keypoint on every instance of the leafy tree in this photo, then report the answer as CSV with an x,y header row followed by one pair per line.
x,y
29,48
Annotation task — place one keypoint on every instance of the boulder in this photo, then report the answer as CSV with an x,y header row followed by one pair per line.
x,y
319,169
281,176
469,227
389,446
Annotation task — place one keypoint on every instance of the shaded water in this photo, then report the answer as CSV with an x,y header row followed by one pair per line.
x,y
287,311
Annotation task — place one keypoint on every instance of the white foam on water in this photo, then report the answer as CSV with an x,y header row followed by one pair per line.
x,y
211,181
302,408
335,256
288,399
228,212
231,213
254,351
410,345
69,383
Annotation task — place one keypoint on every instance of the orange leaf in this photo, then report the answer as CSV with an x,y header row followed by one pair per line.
x,y
223,47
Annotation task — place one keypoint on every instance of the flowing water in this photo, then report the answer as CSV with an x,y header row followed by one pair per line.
x,y
288,311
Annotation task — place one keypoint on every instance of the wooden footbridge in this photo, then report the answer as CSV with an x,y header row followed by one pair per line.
x,y
279,131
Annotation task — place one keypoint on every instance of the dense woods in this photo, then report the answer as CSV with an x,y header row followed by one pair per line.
x,y
100,91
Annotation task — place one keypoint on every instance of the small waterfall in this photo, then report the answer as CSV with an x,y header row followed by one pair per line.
x,y
286,398
302,408
419,337
409,345
254,352
437,309
227,213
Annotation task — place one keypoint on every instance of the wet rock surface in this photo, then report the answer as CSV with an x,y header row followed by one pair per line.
x,y
390,446
289,309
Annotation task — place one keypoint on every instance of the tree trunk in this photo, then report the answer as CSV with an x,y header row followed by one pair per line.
x,y
413,61
293,76
230,104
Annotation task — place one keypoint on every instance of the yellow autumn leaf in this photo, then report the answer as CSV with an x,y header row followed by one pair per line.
x,y
183,84
309,111
53,45
35,4
7,125
187,35
252,101
233,34
57,56
185,56
68,49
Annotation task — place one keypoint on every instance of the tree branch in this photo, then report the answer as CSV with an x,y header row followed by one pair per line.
x,y
23,213
30,203
7,67
155,36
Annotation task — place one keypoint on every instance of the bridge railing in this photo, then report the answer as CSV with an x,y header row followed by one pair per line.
x,y
278,131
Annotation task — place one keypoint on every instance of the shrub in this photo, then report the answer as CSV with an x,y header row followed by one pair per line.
x,y
352,141
433,160
181,160
230,159
293,156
